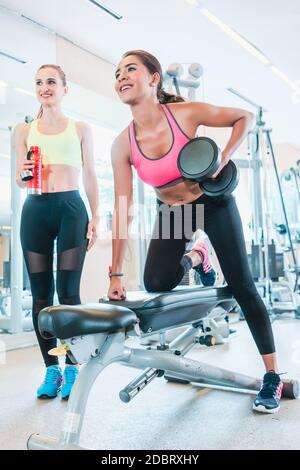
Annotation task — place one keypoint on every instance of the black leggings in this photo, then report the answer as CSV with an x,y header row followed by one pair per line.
x,y
222,223
61,216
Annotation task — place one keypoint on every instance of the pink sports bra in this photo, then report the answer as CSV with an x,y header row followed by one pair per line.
x,y
163,170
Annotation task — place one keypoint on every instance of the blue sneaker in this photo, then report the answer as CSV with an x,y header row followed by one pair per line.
x,y
204,272
69,377
52,383
268,398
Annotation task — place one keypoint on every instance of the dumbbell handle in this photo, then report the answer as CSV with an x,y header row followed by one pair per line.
x,y
224,183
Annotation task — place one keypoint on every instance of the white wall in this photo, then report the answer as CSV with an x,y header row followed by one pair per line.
x,y
286,155
86,69
85,104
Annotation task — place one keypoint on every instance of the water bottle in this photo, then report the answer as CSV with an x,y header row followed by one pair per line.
x,y
34,177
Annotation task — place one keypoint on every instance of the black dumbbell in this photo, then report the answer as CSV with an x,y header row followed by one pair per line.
x,y
200,159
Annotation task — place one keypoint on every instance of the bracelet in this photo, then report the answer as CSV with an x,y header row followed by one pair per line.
x,y
110,273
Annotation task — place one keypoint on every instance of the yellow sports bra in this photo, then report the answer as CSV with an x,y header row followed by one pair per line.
x,y
57,149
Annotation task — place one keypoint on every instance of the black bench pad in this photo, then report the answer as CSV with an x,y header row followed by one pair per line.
x,y
66,321
162,310
153,311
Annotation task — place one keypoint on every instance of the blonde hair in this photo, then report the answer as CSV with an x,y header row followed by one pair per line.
x,y
62,76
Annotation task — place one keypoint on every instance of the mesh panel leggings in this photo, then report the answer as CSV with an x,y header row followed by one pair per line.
x,y
222,223
61,216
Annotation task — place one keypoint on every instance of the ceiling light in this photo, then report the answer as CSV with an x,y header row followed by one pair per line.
x,y
8,56
106,9
2,83
25,92
283,77
195,3
251,48
236,36
37,23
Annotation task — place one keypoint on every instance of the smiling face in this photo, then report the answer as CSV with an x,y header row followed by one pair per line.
x,y
49,86
134,81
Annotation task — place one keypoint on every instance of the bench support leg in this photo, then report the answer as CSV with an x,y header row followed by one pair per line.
x,y
199,372
112,351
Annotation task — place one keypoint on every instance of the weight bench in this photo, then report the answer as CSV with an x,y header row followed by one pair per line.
x,y
95,335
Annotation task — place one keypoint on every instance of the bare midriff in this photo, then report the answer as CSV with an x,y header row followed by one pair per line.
x,y
183,192
58,178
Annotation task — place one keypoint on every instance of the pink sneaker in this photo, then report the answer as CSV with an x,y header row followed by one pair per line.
x,y
204,270
268,398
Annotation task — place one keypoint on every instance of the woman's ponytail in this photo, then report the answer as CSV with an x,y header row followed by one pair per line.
x,y
165,98
40,113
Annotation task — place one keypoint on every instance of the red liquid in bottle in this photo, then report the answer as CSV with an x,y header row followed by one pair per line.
x,y
34,185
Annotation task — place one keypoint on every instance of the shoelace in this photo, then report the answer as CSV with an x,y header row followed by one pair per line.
x,y
206,268
206,262
270,384
51,376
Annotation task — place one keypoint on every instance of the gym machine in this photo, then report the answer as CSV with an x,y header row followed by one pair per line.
x,y
190,83
269,267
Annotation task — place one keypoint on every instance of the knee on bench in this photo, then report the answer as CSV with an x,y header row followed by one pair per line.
x,y
157,284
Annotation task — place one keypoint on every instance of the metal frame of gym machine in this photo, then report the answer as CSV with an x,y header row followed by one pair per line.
x,y
261,158
292,175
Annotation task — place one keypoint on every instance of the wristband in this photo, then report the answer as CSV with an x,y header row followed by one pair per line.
x,y
111,274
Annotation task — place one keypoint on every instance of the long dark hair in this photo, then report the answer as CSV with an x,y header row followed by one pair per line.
x,y
62,76
153,66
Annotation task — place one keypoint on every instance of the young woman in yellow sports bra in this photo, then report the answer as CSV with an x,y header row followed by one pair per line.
x,y
58,214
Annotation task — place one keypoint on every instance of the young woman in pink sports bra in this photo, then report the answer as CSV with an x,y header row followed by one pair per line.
x,y
162,124
161,171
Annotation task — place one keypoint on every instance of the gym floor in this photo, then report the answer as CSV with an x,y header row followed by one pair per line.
x,y
164,415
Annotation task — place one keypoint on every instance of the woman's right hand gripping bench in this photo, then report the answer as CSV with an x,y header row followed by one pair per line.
x,y
116,289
